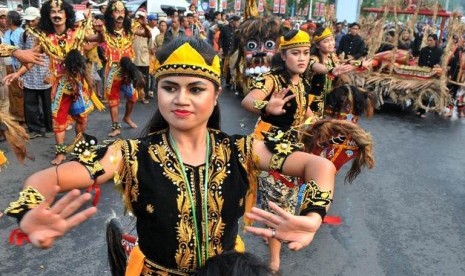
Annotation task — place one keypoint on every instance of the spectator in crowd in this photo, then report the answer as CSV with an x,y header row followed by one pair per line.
x,y
418,38
142,57
153,25
351,45
338,33
455,63
195,28
311,28
159,39
185,25
3,23
388,43
171,13
405,40
19,9
4,101
192,8
226,42
174,31
12,37
36,84
430,56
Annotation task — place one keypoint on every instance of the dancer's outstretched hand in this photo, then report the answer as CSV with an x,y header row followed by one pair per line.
x,y
297,231
44,224
277,101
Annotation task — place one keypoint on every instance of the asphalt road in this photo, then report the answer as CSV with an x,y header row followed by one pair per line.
x,y
404,217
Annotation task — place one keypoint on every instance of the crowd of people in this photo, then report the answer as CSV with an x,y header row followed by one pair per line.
x,y
184,173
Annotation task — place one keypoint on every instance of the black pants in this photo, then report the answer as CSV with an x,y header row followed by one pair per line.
x,y
145,72
32,112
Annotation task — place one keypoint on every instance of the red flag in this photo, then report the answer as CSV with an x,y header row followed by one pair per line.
x,y
260,6
276,6
237,5
212,4
282,7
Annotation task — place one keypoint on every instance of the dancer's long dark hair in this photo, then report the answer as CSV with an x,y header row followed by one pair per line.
x,y
45,23
110,21
76,69
157,122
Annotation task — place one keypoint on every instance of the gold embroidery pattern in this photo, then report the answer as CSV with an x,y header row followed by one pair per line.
x,y
313,196
220,157
219,169
126,178
185,254
6,50
150,209
29,198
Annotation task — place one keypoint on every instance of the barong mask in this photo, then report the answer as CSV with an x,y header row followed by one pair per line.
x,y
257,44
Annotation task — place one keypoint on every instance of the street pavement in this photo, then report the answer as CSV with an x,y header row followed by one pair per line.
x,y
404,217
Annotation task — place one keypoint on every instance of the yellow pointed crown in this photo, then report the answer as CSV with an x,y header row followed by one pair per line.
x,y
301,39
56,3
325,34
186,61
118,6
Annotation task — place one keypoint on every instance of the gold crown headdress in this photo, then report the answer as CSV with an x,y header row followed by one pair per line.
x,y
56,3
325,34
301,39
186,61
117,6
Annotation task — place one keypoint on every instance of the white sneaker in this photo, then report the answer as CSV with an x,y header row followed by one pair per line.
x,y
69,127
150,94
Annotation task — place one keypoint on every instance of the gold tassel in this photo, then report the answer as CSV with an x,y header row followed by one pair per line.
x,y
250,9
97,103
16,137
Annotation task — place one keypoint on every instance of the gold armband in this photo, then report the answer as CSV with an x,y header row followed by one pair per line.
x,y
7,50
313,199
260,105
29,198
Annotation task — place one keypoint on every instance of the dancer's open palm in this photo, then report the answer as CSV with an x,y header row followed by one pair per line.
x,y
297,231
44,224
277,101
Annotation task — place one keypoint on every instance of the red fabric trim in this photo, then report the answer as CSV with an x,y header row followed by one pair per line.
x,y
334,220
96,188
18,237
277,176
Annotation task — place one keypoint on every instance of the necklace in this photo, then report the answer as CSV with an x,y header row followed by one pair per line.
x,y
200,259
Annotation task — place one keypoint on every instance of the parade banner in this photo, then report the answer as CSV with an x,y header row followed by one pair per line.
x,y
276,6
260,6
282,7
331,10
212,4
237,5
224,4
194,2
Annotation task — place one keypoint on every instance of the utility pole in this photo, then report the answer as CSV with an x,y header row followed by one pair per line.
x,y
310,7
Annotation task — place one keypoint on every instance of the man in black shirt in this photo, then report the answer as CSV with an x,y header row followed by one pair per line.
x,y
352,45
431,54
226,42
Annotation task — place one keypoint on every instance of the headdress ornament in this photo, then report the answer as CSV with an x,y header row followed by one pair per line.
x,y
186,61
301,39
56,3
118,5
325,34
